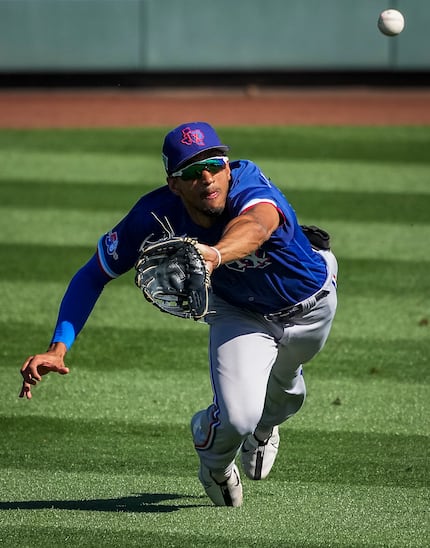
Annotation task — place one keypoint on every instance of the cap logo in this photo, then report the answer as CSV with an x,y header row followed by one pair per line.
x,y
193,136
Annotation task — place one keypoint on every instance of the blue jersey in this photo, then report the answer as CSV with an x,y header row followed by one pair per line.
x,y
283,271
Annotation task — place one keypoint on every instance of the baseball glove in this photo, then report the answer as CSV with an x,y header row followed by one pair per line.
x,y
319,238
173,276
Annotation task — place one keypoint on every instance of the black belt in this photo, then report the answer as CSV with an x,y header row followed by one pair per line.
x,y
295,309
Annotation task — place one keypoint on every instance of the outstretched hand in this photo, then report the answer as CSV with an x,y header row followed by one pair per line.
x,y
38,365
212,258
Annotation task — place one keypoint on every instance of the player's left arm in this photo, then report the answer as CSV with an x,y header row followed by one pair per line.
x,y
245,233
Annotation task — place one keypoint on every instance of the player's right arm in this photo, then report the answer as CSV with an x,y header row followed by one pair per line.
x,y
243,235
78,302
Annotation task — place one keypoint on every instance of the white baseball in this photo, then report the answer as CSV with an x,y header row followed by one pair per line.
x,y
391,22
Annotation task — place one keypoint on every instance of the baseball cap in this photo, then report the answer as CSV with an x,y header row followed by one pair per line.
x,y
188,140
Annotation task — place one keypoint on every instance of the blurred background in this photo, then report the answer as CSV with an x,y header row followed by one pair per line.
x,y
146,43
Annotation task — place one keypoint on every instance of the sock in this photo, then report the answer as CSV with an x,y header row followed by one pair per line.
x,y
261,435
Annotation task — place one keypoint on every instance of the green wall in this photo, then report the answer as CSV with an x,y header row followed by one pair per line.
x,y
168,35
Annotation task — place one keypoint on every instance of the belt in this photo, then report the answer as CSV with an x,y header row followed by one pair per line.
x,y
299,308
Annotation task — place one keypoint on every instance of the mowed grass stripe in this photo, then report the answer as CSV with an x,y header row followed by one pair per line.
x,y
119,306
372,240
65,169
361,405
125,306
63,261
151,446
380,359
357,276
359,207
406,357
137,514
399,144
127,492
45,226
339,205
347,176
77,196
383,277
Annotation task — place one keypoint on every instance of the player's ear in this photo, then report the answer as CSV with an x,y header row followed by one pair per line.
x,y
173,184
228,169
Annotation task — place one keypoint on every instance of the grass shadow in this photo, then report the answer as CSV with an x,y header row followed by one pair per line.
x,y
142,503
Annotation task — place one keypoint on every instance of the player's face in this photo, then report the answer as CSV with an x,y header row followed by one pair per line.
x,y
203,189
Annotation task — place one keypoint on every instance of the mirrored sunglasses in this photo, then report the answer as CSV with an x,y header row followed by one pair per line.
x,y
194,171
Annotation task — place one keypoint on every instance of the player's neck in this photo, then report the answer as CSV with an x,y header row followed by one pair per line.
x,y
203,218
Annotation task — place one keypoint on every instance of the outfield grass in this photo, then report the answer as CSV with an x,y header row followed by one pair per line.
x,y
103,456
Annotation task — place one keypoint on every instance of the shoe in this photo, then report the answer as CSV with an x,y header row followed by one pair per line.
x,y
226,493
258,457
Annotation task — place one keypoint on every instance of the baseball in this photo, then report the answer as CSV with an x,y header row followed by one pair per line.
x,y
391,22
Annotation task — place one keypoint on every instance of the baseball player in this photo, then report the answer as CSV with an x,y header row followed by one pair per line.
x,y
272,304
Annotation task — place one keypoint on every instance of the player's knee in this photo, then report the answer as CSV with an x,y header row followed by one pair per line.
x,y
243,424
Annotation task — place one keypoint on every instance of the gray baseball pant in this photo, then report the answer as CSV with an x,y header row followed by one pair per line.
x,y
256,372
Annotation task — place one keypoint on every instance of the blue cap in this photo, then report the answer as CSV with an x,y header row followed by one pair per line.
x,y
188,140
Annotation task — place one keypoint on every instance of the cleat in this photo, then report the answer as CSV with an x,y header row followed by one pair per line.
x,y
258,457
226,493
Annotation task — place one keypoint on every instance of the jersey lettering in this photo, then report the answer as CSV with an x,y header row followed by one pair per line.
x,y
258,259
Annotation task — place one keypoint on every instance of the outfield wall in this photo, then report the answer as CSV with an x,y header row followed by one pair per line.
x,y
178,35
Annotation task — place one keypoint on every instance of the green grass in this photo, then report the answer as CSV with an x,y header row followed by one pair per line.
x,y
103,456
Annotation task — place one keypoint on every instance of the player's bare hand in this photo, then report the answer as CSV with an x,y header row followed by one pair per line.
x,y
210,255
35,367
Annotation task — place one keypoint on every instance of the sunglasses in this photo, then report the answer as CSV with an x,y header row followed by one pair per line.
x,y
194,171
